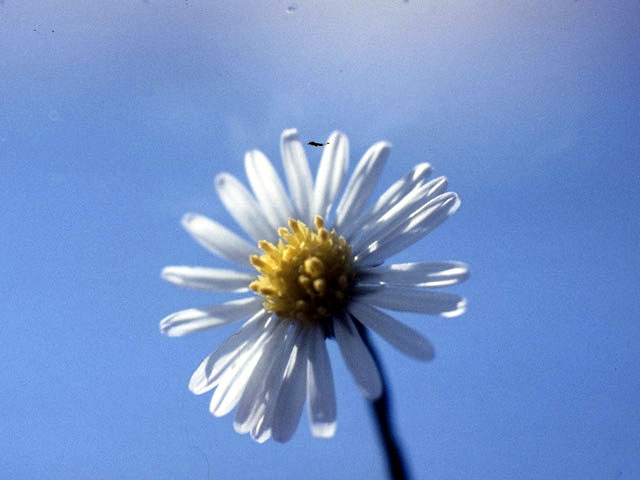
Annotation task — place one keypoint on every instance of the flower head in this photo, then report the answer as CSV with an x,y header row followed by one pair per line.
x,y
315,270
308,276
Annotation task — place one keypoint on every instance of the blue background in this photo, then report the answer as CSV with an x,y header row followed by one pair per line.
x,y
115,117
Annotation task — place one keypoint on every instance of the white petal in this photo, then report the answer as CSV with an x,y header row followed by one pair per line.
x,y
196,319
291,397
398,216
268,189
400,188
361,183
263,436
405,339
211,279
235,377
267,374
393,194
261,429
218,240
296,168
423,274
417,300
413,229
358,358
229,390
207,374
243,207
331,173
320,389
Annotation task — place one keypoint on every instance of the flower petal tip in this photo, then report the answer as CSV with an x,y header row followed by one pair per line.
x,y
241,428
323,430
166,272
188,219
373,394
289,134
167,325
197,382
427,354
461,307
383,145
220,179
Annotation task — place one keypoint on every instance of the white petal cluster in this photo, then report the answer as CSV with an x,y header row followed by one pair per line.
x,y
271,365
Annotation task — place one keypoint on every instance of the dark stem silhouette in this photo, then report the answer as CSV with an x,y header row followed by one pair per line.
x,y
381,409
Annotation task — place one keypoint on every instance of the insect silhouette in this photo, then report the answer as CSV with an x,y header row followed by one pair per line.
x,y
317,144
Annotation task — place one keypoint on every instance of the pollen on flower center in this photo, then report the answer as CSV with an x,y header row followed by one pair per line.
x,y
308,275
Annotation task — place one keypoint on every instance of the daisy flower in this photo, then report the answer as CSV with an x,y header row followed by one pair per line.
x,y
313,270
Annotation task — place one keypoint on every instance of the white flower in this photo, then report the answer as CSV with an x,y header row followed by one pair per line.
x,y
320,270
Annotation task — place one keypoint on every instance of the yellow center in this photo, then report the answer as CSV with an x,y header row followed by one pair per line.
x,y
307,276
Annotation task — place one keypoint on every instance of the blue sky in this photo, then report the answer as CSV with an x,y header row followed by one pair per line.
x,y
114,119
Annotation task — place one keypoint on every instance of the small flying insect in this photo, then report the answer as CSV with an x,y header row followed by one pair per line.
x,y
317,144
